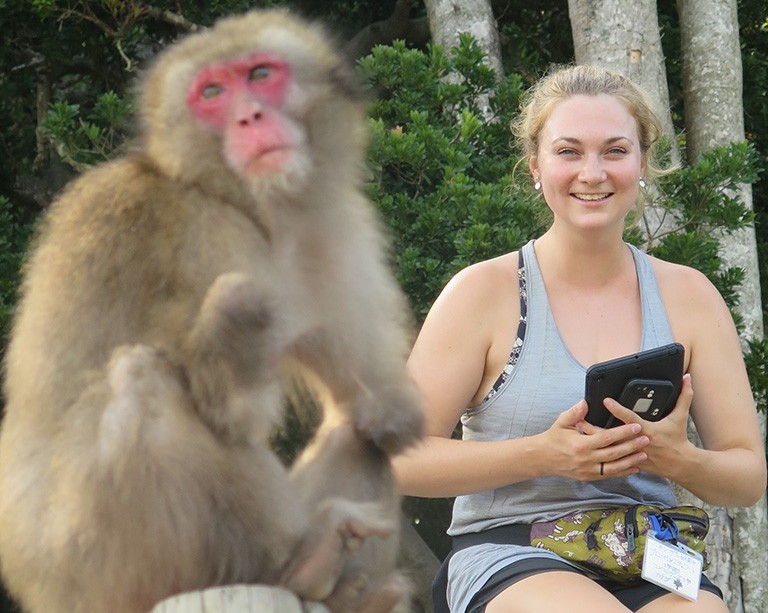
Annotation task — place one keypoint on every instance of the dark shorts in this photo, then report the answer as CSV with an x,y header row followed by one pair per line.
x,y
634,596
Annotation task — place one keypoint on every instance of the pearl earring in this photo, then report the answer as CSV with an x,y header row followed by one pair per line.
x,y
537,185
642,183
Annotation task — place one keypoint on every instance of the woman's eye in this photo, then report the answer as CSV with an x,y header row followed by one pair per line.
x,y
211,91
259,73
566,152
617,151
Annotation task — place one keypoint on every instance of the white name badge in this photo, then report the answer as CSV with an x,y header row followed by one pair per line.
x,y
673,566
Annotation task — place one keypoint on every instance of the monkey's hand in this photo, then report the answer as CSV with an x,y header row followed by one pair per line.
x,y
379,400
392,419
338,531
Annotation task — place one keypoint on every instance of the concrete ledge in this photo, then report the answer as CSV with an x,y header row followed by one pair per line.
x,y
238,599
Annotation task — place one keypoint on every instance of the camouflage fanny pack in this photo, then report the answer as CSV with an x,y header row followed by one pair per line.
x,y
611,542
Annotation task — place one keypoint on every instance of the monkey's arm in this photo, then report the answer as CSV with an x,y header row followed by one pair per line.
x,y
356,348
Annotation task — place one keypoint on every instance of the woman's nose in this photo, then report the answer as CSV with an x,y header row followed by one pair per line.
x,y
592,170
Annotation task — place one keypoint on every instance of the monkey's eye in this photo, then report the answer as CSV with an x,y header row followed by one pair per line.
x,y
260,72
211,90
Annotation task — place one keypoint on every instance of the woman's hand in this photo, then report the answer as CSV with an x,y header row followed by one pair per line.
x,y
579,450
668,437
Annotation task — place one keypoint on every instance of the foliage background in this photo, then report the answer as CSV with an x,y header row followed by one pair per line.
x,y
69,67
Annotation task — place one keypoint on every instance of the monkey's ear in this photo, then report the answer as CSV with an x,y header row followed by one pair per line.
x,y
344,78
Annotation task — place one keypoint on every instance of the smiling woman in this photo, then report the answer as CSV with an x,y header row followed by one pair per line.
x,y
505,349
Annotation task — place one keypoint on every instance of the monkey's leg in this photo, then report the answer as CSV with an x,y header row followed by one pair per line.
x,y
338,530
205,511
231,359
342,465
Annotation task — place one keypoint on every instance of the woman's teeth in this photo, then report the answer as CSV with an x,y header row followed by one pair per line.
x,y
591,196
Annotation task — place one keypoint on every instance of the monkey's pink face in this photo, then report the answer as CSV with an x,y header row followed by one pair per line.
x,y
243,100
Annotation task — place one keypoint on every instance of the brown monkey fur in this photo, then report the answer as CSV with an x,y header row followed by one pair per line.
x,y
163,293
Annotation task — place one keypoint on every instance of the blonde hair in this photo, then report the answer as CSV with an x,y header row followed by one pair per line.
x,y
539,101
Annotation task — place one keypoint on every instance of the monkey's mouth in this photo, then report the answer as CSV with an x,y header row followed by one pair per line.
x,y
270,161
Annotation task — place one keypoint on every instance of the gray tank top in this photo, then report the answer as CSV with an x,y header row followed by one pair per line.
x,y
543,379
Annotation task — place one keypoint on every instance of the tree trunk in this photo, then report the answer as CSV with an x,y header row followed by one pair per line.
x,y
624,37
449,18
714,116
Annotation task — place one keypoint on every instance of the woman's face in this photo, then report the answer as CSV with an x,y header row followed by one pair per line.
x,y
589,162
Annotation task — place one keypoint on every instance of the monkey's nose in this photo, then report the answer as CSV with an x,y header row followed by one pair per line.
x,y
251,119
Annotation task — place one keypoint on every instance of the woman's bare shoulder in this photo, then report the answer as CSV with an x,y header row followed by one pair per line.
x,y
682,281
488,274
694,305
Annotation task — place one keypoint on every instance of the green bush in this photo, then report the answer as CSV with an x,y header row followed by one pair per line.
x,y
442,165
81,139
14,236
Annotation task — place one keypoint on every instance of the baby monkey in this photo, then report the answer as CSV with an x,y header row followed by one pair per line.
x,y
167,297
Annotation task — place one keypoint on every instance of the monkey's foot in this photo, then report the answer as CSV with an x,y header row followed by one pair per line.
x,y
355,593
143,385
337,532
139,371
234,326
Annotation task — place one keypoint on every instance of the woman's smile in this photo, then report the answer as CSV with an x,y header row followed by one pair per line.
x,y
592,197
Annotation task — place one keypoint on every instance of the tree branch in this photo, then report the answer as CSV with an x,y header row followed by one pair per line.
x,y
43,101
89,16
170,17
398,25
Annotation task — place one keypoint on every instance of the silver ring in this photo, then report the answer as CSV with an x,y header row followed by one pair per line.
x,y
602,467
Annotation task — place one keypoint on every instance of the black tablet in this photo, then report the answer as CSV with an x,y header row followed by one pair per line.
x,y
647,382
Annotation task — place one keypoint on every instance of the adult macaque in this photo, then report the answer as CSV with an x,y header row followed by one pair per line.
x,y
163,293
